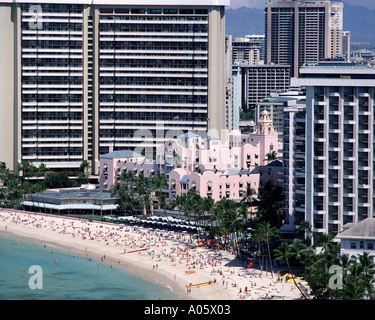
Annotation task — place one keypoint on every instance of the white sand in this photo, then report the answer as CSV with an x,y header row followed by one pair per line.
x,y
165,261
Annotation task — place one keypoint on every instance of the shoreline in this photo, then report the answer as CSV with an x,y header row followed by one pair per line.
x,y
128,267
163,260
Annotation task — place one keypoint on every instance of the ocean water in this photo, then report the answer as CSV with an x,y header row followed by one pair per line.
x,y
63,275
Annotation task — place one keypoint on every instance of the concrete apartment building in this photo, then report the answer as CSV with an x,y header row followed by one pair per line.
x,y
294,157
298,32
339,145
258,81
249,48
82,78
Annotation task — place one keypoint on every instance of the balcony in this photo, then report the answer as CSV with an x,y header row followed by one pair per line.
x,y
363,186
319,138
348,194
334,184
364,167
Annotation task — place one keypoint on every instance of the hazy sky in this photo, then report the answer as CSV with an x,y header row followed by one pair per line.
x,y
234,4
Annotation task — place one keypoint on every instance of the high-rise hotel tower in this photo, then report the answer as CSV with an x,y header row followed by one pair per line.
x,y
339,145
80,78
299,32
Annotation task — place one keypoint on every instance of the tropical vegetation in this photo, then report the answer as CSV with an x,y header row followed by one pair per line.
x,y
249,228
31,179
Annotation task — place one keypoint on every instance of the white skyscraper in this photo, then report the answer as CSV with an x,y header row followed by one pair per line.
x,y
80,78
339,144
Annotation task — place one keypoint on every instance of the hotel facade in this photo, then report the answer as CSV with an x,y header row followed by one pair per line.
x,y
214,168
339,145
82,78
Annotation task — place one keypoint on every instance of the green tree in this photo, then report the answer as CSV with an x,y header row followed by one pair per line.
x,y
159,182
28,170
283,253
179,202
83,172
11,192
57,180
305,231
271,156
249,199
265,232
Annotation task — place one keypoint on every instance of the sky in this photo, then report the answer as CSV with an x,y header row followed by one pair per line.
x,y
234,4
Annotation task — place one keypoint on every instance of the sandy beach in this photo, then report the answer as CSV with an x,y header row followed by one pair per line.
x,y
166,258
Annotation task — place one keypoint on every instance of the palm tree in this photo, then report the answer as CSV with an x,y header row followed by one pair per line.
x,y
229,220
25,167
83,172
216,217
39,188
193,205
159,182
146,201
248,199
178,202
283,253
42,170
266,232
270,207
125,200
271,156
297,250
115,188
325,241
306,231
368,271
258,238
143,189
10,181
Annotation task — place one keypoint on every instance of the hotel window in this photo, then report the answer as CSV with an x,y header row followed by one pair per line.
x,y
370,246
353,245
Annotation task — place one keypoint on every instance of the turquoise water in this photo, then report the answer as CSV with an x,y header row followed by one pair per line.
x,y
66,276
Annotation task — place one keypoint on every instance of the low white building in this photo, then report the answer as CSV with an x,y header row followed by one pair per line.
x,y
357,238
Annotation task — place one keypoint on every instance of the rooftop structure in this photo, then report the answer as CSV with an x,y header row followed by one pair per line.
x,y
73,201
357,238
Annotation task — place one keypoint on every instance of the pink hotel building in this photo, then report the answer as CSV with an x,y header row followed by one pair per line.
x,y
214,169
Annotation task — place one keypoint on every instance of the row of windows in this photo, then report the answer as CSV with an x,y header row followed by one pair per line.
x,y
49,7
152,11
153,45
157,27
45,43
370,245
183,64
155,81
55,78
73,25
